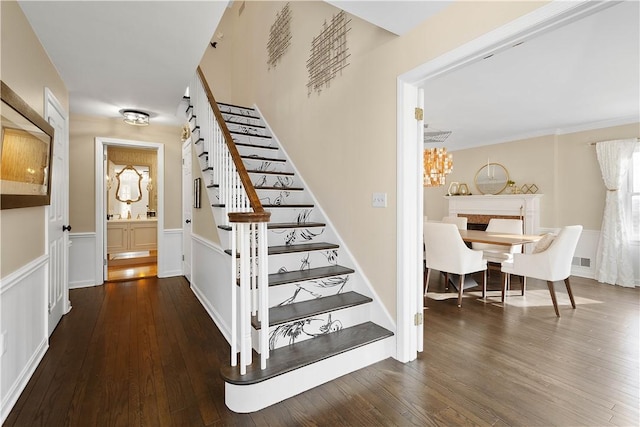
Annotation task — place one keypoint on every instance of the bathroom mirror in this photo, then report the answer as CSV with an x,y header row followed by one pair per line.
x,y
129,189
492,178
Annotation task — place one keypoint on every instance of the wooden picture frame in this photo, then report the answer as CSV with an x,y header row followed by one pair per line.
x,y
26,152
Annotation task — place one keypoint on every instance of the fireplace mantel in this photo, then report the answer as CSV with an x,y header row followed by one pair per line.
x,y
526,206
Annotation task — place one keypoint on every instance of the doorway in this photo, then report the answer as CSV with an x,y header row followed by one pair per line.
x,y
129,214
409,152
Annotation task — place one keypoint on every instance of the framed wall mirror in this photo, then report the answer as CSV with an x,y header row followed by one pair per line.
x,y
26,149
492,178
129,189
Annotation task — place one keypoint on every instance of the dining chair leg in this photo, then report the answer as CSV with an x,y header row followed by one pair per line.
x,y
484,284
424,277
523,279
504,286
566,282
446,281
553,297
460,288
426,281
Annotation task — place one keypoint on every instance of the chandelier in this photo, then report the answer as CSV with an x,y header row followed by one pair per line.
x,y
437,165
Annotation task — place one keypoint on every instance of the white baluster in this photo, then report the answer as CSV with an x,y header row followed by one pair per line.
x,y
263,287
234,302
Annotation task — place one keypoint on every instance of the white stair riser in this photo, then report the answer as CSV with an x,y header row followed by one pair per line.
x,y
282,197
303,260
302,330
288,236
312,289
234,128
237,110
286,214
242,119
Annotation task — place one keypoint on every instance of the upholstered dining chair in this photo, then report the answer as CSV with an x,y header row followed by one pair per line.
x,y
551,264
459,221
497,254
446,251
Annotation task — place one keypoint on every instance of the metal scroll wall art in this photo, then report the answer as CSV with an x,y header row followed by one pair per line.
x,y
329,53
279,36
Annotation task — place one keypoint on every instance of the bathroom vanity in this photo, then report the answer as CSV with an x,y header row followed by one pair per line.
x,y
131,235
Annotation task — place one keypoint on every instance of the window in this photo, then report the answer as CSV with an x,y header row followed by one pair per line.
x,y
634,196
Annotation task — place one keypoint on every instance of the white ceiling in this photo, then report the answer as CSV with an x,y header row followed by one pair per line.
x,y
582,76
141,55
114,55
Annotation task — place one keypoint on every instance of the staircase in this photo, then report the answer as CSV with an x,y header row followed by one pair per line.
x,y
323,318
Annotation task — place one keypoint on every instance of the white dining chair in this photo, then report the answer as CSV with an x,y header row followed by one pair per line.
x,y
459,221
552,264
446,251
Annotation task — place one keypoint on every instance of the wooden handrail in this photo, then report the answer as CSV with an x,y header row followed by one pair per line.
x,y
258,214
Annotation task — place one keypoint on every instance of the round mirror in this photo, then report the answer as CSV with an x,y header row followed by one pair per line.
x,y
129,189
492,178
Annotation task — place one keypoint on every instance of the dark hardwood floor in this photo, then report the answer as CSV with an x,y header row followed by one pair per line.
x,y
146,353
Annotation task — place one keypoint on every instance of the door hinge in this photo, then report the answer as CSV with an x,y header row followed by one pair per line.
x,y
419,113
417,319
182,257
49,308
104,262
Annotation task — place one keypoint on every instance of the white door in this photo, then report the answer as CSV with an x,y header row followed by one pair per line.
x,y
187,203
58,216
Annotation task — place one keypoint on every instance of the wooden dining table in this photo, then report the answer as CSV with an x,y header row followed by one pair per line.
x,y
497,238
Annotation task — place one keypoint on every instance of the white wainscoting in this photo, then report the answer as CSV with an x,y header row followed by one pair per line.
x,y
23,326
171,263
82,256
211,281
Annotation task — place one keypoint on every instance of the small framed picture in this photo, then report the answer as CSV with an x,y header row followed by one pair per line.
x,y
196,192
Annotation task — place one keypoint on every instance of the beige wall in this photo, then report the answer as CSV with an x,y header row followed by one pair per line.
x,y
343,140
564,167
26,68
203,223
82,133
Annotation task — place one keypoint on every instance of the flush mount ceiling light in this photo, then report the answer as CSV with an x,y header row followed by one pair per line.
x,y
136,118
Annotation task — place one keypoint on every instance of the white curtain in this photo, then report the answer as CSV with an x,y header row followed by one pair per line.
x,y
613,257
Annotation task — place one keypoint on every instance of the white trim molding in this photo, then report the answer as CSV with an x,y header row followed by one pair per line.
x,y
100,202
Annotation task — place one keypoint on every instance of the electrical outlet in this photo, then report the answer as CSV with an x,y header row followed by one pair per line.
x,y
379,200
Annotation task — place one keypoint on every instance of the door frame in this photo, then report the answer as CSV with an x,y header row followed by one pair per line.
x,y
409,157
101,200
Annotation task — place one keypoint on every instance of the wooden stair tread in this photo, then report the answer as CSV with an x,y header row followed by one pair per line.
x,y
301,310
276,279
300,205
270,172
264,159
264,147
290,249
282,225
304,353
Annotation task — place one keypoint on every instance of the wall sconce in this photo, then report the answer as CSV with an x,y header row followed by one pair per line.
x,y
109,182
135,118
149,185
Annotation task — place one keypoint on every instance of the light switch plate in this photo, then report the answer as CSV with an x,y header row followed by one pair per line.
x,y
379,200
